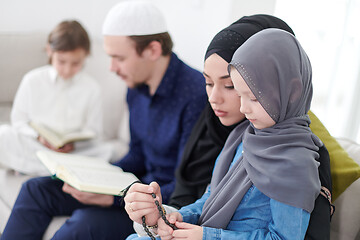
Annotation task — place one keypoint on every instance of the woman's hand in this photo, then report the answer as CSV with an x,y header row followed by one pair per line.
x,y
87,198
139,203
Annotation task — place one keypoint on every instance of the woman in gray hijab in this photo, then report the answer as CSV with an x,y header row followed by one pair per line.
x,y
266,179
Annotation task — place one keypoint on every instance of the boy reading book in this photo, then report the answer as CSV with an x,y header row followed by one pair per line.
x,y
60,139
59,95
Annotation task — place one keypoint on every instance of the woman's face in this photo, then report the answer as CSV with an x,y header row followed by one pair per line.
x,y
220,90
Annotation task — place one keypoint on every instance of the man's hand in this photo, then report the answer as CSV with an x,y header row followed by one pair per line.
x,y
139,202
87,198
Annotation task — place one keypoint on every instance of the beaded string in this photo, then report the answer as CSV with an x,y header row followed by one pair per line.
x,y
162,214
147,229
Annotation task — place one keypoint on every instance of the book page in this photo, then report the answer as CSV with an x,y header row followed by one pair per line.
x,y
52,137
58,139
78,136
87,173
104,182
68,159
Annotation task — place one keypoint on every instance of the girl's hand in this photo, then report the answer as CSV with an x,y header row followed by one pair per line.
x,y
165,231
139,203
188,231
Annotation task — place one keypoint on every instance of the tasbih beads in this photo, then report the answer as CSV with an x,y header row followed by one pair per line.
x,y
147,229
163,213
163,216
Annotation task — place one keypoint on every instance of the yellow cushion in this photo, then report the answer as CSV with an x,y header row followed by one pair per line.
x,y
344,170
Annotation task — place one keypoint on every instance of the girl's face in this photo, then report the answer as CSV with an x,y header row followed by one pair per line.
x,y
220,90
67,63
250,106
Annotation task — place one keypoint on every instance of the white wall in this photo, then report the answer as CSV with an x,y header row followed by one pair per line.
x,y
192,23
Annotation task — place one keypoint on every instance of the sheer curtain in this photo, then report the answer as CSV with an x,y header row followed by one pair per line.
x,y
329,31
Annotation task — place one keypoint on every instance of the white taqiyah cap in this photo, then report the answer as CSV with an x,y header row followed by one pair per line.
x,y
129,18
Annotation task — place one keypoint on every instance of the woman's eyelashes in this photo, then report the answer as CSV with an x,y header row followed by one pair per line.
x,y
229,87
218,81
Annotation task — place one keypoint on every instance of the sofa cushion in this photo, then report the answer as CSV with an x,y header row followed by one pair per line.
x,y
5,109
10,184
344,170
345,224
23,52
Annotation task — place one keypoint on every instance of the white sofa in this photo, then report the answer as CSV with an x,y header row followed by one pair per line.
x,y
345,224
22,52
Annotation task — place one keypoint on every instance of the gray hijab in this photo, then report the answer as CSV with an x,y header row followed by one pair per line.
x,y
280,160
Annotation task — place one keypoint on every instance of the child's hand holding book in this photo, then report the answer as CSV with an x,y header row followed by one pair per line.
x,y
68,147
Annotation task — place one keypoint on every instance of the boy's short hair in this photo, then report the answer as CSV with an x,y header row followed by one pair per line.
x,y
141,42
69,36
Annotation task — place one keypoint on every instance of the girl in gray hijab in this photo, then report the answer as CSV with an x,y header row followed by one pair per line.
x,y
265,180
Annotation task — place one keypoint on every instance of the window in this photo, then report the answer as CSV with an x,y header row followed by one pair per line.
x,y
330,34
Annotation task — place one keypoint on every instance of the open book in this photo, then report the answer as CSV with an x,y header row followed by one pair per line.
x,y
87,174
57,139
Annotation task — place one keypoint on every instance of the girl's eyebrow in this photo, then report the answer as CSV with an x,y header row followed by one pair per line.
x,y
222,77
